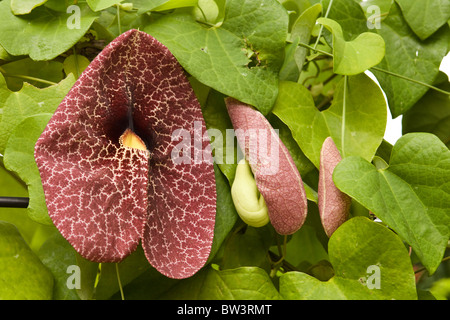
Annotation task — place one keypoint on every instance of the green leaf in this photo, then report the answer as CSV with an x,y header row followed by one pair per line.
x,y
98,5
23,275
146,5
34,234
304,249
219,124
174,4
241,58
408,56
27,102
262,25
226,215
4,55
349,15
75,64
405,54
355,56
248,248
58,255
249,283
363,125
25,6
148,286
362,252
302,163
129,269
19,158
412,196
44,70
304,166
302,29
430,114
425,17
43,34
371,8
211,12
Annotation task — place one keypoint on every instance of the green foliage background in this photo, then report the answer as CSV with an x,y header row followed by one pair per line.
x,y
302,64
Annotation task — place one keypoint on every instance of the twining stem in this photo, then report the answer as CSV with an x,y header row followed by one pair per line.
x,y
382,70
412,80
282,255
321,27
118,19
304,45
344,107
285,264
23,77
118,280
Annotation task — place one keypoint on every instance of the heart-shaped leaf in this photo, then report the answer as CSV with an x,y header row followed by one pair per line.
x,y
430,114
412,196
425,17
232,284
356,56
241,58
103,195
44,33
356,117
25,6
58,255
370,262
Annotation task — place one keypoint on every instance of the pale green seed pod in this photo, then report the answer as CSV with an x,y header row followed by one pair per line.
x,y
249,203
127,6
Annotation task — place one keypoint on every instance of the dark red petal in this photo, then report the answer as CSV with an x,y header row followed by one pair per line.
x,y
277,178
178,236
334,205
100,194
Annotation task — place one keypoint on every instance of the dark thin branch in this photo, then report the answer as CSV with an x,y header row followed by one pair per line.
x,y
14,202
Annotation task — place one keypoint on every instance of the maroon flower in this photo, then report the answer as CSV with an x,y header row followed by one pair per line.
x,y
105,196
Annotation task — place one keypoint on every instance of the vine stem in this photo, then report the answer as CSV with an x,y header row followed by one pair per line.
x,y
120,283
344,107
412,80
304,45
118,19
282,252
321,27
23,77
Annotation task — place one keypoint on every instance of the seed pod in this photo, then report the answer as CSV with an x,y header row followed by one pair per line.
x,y
276,175
334,205
249,203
